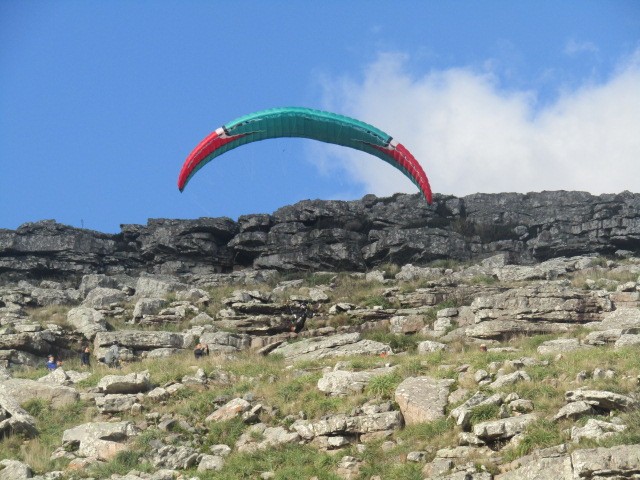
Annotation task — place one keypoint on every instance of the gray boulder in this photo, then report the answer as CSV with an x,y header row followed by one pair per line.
x,y
135,382
429,346
333,346
14,419
422,399
230,410
158,286
87,321
602,399
342,382
116,403
102,297
596,430
179,457
502,429
23,390
14,470
349,424
574,410
261,437
98,440
622,461
148,306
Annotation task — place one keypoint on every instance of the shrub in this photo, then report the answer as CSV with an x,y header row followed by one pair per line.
x,y
539,434
289,462
383,386
123,463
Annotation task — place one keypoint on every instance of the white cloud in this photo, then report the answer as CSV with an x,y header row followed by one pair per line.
x,y
574,47
471,135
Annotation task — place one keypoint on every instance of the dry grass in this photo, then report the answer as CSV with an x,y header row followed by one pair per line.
x,y
55,314
602,279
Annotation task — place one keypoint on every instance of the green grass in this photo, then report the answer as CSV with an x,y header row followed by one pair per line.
x,y
225,432
482,413
122,464
383,387
51,423
291,462
397,342
542,433
428,432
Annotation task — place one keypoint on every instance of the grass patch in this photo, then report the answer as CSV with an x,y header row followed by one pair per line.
x,y
630,436
51,423
121,464
377,301
429,436
56,314
540,434
225,432
398,343
601,279
482,413
383,387
291,462
482,280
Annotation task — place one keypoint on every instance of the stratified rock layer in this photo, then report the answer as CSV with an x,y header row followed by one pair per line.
x,y
335,235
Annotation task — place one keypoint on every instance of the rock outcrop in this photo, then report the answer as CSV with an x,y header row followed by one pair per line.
x,y
335,235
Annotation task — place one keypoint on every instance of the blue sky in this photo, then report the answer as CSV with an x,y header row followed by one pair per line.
x,y
100,102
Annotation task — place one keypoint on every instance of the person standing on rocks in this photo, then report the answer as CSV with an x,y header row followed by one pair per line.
x,y
201,350
85,357
51,363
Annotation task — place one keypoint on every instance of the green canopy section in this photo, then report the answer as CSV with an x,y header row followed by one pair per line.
x,y
304,123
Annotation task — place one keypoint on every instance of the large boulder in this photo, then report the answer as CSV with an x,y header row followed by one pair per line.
x,y
23,389
140,341
422,399
622,461
342,382
14,419
333,346
262,437
98,440
131,383
87,321
502,429
603,399
14,470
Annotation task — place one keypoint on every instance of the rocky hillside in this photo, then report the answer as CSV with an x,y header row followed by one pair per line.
x,y
510,353
334,235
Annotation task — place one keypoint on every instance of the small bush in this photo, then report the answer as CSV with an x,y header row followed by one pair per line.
x,y
123,463
483,413
397,342
439,432
290,462
227,432
383,386
539,434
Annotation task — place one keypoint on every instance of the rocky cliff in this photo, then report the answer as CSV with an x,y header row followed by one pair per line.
x,y
334,235
518,361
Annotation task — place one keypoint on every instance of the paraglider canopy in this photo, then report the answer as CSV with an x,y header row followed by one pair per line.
x,y
307,123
